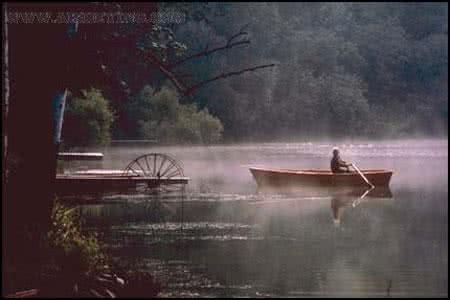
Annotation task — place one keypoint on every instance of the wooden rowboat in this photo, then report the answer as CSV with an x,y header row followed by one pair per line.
x,y
318,178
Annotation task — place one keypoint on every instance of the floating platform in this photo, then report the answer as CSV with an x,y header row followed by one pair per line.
x,y
146,173
80,156
112,181
134,141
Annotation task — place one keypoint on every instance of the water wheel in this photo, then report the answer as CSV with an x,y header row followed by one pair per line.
x,y
160,168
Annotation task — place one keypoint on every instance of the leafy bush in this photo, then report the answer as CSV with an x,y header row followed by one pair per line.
x,y
87,120
203,127
74,251
158,115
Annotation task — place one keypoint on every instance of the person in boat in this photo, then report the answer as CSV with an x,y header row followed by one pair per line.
x,y
337,164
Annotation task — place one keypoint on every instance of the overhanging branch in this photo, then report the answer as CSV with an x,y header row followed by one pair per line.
x,y
229,44
186,91
156,62
191,89
207,52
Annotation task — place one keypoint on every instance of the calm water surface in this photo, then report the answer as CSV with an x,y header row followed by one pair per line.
x,y
227,239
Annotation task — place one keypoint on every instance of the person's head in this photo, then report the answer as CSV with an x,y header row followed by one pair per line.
x,y
335,151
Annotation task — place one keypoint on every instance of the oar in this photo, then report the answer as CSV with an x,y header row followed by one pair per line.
x,y
358,200
362,175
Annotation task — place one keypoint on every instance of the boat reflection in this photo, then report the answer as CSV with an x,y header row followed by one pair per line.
x,y
341,198
340,203
250,209
376,192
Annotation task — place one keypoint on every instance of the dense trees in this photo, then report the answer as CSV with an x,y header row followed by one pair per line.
x,y
158,115
343,69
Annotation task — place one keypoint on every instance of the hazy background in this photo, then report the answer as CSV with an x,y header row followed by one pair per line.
x,y
343,69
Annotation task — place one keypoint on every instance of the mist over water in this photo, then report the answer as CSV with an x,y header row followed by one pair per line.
x,y
226,239
226,166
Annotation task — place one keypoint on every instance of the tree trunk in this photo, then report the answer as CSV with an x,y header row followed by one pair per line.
x,y
36,53
5,103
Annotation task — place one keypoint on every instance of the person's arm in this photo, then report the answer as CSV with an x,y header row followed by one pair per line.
x,y
344,164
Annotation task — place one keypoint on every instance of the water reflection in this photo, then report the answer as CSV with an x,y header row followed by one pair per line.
x,y
340,203
341,198
236,217
258,243
228,239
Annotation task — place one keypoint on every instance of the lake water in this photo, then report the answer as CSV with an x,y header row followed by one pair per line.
x,y
221,237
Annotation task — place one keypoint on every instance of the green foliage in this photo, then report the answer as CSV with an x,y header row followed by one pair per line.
x,y
87,120
343,69
338,65
74,251
158,115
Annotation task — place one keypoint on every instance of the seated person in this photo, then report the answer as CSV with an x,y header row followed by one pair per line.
x,y
337,164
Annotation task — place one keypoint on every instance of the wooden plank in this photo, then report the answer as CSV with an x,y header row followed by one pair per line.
x,y
134,141
80,156
120,179
100,172
97,184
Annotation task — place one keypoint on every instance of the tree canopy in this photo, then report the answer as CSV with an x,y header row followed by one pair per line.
x,y
342,69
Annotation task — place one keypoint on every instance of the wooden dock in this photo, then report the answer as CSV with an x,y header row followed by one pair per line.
x,y
153,171
110,181
80,156
134,141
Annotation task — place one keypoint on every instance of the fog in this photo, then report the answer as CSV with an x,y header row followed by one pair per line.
x,y
224,168
224,237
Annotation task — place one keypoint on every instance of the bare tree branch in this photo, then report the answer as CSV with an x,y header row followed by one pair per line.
x,y
186,91
163,68
207,52
241,32
191,89
229,44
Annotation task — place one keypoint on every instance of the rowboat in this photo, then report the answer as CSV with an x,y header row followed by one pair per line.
x,y
318,178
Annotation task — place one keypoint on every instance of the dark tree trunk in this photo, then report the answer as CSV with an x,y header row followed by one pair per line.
x,y
37,72
5,101
44,60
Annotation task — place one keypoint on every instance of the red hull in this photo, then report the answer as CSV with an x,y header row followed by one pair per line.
x,y
286,177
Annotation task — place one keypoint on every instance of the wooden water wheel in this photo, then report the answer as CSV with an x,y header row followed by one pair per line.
x,y
163,171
